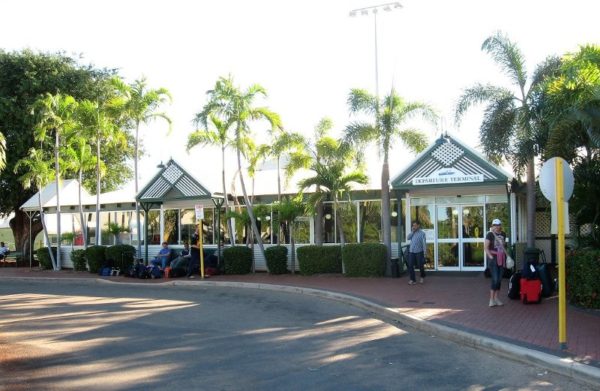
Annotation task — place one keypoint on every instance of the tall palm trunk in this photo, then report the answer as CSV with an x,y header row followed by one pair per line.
x,y
319,222
46,230
97,238
249,208
137,205
531,202
338,222
386,225
229,224
81,216
57,168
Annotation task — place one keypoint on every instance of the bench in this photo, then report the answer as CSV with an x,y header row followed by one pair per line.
x,y
11,259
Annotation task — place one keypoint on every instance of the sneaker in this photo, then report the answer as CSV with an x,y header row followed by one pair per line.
x,y
498,302
191,277
421,281
492,303
411,282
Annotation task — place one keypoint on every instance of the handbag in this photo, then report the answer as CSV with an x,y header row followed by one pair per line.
x,y
510,263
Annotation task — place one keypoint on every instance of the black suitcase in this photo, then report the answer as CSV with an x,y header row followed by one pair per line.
x,y
546,277
514,286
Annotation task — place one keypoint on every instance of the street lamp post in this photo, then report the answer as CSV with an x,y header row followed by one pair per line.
x,y
388,7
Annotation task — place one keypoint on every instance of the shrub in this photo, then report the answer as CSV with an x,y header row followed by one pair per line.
x,y
121,256
78,259
96,257
583,278
43,257
319,259
364,259
277,259
237,260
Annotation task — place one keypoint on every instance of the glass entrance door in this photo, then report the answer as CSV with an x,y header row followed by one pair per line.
x,y
460,236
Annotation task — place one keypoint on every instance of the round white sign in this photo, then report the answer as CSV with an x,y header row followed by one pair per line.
x,y
548,179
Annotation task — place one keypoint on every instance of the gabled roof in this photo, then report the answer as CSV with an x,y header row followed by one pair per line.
x,y
448,162
174,187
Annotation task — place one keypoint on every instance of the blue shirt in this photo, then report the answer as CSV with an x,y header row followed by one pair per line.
x,y
418,241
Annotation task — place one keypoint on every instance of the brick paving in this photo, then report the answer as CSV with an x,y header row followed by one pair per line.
x,y
457,301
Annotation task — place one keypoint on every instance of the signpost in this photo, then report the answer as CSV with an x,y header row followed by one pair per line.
x,y
199,217
557,182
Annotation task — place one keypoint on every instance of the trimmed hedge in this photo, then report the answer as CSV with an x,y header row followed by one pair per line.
x,y
43,257
583,278
121,256
319,259
277,259
237,260
364,259
96,257
78,259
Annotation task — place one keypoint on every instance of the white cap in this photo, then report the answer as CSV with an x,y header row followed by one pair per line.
x,y
496,222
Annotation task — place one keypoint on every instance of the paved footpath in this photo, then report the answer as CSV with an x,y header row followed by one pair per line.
x,y
452,306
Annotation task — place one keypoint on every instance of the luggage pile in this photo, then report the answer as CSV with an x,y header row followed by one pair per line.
x,y
532,283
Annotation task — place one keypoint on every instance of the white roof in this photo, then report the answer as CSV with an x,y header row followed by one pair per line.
x,y
69,195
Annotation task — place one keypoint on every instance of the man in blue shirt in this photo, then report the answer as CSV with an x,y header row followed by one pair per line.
x,y
416,252
163,256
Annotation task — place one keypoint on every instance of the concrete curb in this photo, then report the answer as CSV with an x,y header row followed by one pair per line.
x,y
564,366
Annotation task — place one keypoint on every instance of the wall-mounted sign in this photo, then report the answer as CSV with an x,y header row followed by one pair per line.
x,y
447,176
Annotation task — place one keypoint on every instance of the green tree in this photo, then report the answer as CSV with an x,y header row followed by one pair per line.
x,y
508,127
573,104
305,158
237,108
25,77
37,173
79,158
141,107
334,173
288,211
215,134
389,119
55,115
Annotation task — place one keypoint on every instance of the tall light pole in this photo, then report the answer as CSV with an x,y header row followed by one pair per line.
x,y
373,10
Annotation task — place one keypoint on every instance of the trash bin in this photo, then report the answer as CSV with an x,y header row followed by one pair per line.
x,y
395,268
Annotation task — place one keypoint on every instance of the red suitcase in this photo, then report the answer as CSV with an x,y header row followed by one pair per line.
x,y
531,290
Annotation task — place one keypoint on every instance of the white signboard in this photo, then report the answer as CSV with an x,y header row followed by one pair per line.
x,y
447,176
199,212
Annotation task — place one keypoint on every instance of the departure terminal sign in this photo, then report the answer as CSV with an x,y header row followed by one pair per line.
x,y
447,176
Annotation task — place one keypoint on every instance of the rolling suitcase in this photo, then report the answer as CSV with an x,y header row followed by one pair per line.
x,y
531,290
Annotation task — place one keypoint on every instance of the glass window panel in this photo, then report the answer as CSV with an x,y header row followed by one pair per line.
x,y
473,226
329,234
302,230
447,222
447,255
394,220
188,225
153,234
348,217
370,221
497,211
473,254
422,201
423,214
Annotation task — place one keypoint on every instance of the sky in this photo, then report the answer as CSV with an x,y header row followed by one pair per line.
x,y
306,54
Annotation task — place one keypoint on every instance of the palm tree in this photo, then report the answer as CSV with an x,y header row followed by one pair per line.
x,y
508,126
55,114
141,108
334,174
38,173
288,211
389,117
236,108
79,158
218,135
102,127
2,152
305,158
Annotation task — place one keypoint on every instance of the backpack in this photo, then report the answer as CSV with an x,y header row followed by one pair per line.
x,y
141,271
155,272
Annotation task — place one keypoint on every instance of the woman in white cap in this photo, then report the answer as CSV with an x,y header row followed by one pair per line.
x,y
496,257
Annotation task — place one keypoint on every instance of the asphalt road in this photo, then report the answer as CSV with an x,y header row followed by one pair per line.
x,y
65,335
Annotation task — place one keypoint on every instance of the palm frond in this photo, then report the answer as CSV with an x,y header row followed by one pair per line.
x,y
508,56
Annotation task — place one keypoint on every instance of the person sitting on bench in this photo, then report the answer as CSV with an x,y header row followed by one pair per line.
x,y
3,250
163,257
